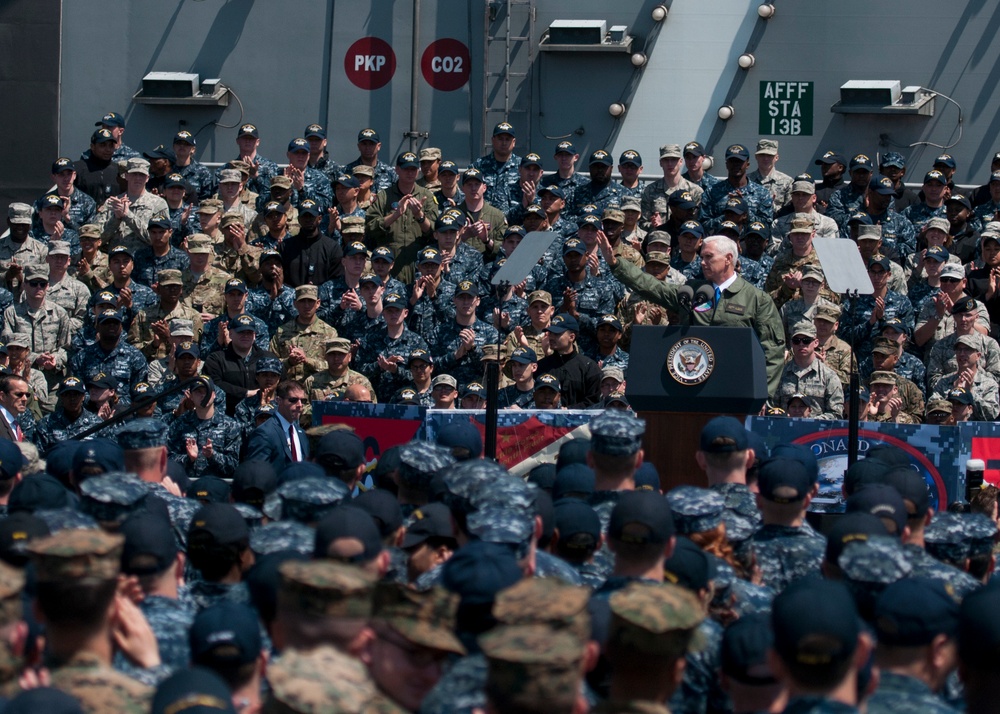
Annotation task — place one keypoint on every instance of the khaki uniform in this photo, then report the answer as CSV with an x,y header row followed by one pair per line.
x,y
820,386
140,335
133,229
207,292
837,355
243,263
99,276
404,236
312,339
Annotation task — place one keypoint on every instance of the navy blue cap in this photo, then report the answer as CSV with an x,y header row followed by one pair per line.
x,y
578,524
101,136
368,135
38,492
723,435
913,611
480,570
242,323
881,501
462,438
448,222
11,460
432,520
347,521
945,160
346,181
850,528
831,157
102,455
543,476
601,157
223,635
209,489
694,148
864,472
111,119
630,156
195,690
810,636
783,480
310,207
882,186
647,478
407,160
689,567
563,322
737,151
150,546
801,453
683,199
960,199
216,524
912,487
16,531
554,190
504,127
935,175
532,160
253,481
473,389
574,245
524,355
861,161
574,480
161,152
736,205
298,144
743,653
43,699
641,517
693,227
565,147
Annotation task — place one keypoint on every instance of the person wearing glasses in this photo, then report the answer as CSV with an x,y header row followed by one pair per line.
x,y
14,395
46,324
280,440
934,314
807,377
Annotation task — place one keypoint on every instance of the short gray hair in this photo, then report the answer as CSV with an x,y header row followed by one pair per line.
x,y
724,244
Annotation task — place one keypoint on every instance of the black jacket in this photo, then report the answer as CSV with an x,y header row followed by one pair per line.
x,y
578,375
234,375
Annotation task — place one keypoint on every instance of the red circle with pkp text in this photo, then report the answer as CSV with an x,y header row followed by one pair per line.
x,y
370,63
446,64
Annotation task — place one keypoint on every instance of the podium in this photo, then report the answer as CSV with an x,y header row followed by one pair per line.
x,y
680,377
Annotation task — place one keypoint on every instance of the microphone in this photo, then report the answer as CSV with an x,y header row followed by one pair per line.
x,y
685,294
705,295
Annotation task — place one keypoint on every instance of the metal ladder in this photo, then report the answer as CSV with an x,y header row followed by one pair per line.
x,y
508,58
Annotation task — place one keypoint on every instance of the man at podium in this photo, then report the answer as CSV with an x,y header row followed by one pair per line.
x,y
737,303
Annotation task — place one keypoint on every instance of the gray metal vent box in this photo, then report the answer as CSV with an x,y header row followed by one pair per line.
x,y
577,32
170,84
870,92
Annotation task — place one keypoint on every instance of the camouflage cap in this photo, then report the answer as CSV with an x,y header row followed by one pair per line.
x,y
11,587
318,681
938,405
532,667
77,554
655,619
616,433
420,461
424,618
90,230
882,377
878,560
696,510
306,292
110,498
325,588
980,532
501,524
885,345
199,243
945,537
209,205
828,313
545,601
307,499
142,433
169,276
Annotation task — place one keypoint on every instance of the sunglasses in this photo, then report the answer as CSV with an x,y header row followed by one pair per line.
x,y
951,280
38,283
294,400
802,340
19,395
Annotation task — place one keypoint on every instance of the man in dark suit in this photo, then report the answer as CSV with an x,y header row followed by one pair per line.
x,y
280,440
14,395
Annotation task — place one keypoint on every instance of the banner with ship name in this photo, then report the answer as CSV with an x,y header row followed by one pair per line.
x,y
936,452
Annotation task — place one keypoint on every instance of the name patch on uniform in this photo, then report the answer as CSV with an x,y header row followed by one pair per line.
x,y
736,309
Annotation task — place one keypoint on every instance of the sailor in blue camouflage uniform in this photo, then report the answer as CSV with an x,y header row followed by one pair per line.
x,y
908,366
148,264
210,334
183,217
429,311
899,239
613,433
947,540
111,498
315,134
512,307
870,566
607,327
595,295
785,551
384,357
695,509
292,508
694,158
274,311
143,296
59,425
199,177
263,169
315,184
530,173
990,211
214,525
601,190
458,347
565,153
82,208
369,145
501,167
463,261
215,437
758,199
911,616
52,208
935,184
862,316
270,370
112,355
694,232
419,463
150,549
850,199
